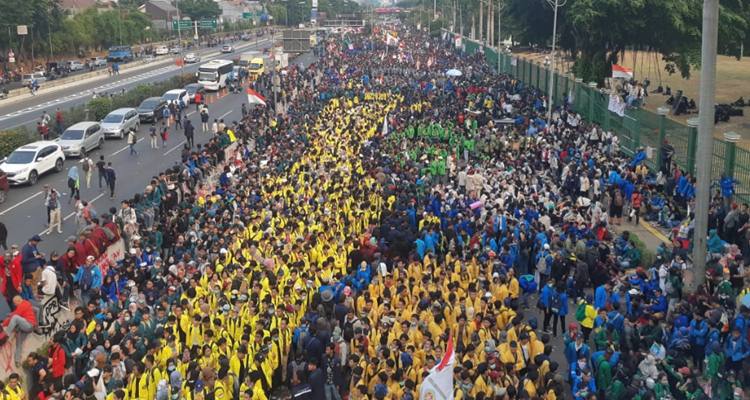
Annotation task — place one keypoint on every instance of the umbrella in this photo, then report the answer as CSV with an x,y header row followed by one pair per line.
x,y
453,72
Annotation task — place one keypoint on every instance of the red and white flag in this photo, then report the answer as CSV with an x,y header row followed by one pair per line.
x,y
618,71
439,383
254,97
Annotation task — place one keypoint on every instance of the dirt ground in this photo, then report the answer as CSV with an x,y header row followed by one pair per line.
x,y
732,81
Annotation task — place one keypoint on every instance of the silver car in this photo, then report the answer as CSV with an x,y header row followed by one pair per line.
x,y
81,138
119,122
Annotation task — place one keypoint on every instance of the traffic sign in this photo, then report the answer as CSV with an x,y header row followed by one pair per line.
x,y
183,24
207,24
247,15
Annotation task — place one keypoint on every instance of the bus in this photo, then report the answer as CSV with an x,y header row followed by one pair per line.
x,y
120,54
213,74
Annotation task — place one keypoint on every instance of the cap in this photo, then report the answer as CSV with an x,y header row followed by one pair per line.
x,y
35,238
90,258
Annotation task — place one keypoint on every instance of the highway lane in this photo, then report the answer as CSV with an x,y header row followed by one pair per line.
x,y
20,112
24,214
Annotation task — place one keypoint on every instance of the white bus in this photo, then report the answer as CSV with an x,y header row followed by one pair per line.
x,y
213,74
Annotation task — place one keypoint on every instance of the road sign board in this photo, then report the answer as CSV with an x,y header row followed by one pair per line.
x,y
247,15
183,24
207,24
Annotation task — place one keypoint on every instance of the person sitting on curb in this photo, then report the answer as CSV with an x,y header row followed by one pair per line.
x,y
22,321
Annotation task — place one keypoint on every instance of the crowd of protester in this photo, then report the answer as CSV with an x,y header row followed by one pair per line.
x,y
332,250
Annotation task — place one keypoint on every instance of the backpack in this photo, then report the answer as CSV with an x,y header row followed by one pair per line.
x,y
556,303
618,199
581,312
85,166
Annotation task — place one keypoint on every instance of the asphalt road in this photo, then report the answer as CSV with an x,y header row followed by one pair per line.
x,y
24,213
20,112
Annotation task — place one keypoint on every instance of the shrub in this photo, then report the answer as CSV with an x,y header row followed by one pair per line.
x,y
10,140
647,255
99,108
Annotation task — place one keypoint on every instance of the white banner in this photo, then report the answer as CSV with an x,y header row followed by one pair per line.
x,y
114,253
439,383
617,105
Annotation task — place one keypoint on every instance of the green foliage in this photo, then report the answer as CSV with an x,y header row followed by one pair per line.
x,y
199,9
647,256
600,30
10,140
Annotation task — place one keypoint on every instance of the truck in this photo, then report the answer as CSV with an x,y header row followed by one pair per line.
x,y
247,57
120,54
282,60
256,67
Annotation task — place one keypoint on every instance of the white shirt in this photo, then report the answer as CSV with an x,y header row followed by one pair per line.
x,y
49,281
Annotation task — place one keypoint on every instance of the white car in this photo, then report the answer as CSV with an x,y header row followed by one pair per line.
x,y
161,50
98,62
119,122
191,58
75,65
26,163
227,49
39,76
81,138
176,50
176,95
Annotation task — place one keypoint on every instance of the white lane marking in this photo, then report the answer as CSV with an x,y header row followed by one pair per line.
x,y
124,148
21,202
176,147
225,114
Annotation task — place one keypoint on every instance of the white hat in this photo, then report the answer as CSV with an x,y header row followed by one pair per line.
x,y
93,373
546,246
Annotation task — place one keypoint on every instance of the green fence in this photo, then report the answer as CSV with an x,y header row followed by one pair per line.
x,y
638,128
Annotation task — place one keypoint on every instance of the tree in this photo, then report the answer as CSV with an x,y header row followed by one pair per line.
x,y
199,9
597,32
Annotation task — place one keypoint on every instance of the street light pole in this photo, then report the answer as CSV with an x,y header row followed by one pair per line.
x,y
704,146
556,4
179,38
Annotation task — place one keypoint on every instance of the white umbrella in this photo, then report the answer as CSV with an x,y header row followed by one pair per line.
x,y
453,72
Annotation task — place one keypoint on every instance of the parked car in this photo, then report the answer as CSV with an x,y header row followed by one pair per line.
x,y
259,33
245,36
26,163
120,121
194,88
176,95
161,50
191,58
227,49
176,50
151,109
81,138
97,62
39,76
75,65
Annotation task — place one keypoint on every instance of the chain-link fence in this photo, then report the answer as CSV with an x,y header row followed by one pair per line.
x,y
637,128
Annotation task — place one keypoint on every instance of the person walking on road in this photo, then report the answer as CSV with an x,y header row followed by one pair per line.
x,y
177,117
59,121
100,168
153,137
111,179
189,132
166,115
204,119
132,140
164,135
55,213
74,183
198,100
87,165
215,126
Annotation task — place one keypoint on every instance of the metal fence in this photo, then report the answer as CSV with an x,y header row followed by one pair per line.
x,y
638,128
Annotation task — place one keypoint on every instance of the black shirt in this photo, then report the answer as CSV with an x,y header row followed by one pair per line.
x,y
100,166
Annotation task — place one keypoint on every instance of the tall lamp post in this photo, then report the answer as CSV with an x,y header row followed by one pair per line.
x,y
704,152
556,4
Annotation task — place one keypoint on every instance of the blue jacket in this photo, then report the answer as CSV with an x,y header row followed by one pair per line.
x,y
698,332
737,349
563,303
600,297
660,306
571,354
96,276
546,296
